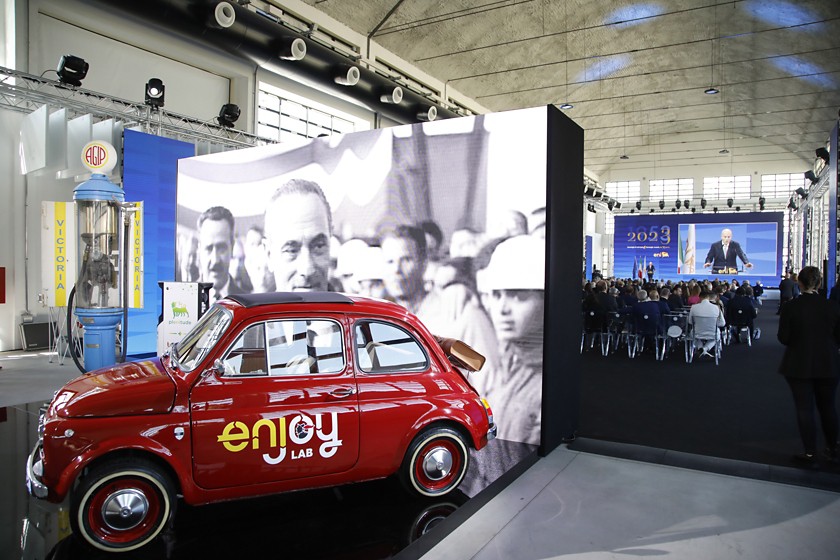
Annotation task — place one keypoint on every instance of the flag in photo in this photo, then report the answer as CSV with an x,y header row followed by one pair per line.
x,y
635,267
689,258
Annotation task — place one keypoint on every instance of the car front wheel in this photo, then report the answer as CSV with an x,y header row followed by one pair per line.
x,y
435,463
122,505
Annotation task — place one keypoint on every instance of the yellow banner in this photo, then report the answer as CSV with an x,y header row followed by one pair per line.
x,y
60,252
137,257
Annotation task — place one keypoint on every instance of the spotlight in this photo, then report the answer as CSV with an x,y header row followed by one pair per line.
x,y
589,191
624,156
712,90
686,203
590,208
155,91
72,70
678,203
347,75
801,192
661,204
429,114
792,203
632,210
392,96
714,209
693,210
228,115
638,205
737,208
292,49
703,203
761,201
822,153
617,204
810,176
566,106
729,202
652,210
611,204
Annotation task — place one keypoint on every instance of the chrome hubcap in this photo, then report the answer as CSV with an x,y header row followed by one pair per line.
x,y
437,463
125,509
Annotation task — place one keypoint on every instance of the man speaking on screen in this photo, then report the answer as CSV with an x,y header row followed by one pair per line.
x,y
723,255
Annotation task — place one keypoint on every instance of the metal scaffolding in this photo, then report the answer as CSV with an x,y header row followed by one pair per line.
x,y
25,93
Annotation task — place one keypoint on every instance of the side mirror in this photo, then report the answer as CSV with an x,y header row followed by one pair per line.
x,y
219,366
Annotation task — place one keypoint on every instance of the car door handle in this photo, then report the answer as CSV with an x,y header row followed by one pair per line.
x,y
343,392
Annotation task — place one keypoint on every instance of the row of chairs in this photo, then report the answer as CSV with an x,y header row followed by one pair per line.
x,y
612,330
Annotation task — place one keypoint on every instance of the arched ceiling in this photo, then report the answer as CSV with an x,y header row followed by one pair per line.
x,y
635,72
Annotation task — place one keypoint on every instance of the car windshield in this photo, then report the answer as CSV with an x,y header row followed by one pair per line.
x,y
190,351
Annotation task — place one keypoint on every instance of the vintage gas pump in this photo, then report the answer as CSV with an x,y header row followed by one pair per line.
x,y
99,295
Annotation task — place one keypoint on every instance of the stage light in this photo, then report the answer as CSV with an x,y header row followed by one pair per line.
x,y
714,209
617,204
686,203
392,96
155,91
703,203
590,208
588,191
711,91
567,106
661,204
652,210
678,203
347,75
729,202
228,114
801,192
292,49
822,153
638,205
737,208
693,210
632,210
611,204
429,114
72,70
761,201
792,203
810,176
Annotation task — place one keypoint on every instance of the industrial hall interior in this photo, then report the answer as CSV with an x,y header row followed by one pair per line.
x,y
477,279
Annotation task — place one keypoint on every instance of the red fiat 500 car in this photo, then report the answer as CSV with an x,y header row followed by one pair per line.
x,y
267,393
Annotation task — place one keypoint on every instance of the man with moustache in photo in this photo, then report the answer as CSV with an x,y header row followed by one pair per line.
x,y
454,311
215,245
298,225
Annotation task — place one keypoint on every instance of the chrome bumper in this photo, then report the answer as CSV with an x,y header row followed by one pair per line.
x,y
491,433
33,471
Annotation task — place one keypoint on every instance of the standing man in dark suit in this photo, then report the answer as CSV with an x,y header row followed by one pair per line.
x,y
723,255
809,327
787,288
650,271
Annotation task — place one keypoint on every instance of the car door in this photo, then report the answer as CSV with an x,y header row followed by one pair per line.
x,y
285,407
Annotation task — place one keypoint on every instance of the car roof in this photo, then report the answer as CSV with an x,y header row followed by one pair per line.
x,y
274,298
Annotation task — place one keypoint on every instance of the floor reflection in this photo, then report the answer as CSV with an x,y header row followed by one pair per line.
x,y
360,521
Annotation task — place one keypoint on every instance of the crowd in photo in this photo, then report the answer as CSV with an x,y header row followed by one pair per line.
x,y
483,288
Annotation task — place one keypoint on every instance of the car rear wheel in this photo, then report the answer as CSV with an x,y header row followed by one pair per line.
x,y
122,505
435,463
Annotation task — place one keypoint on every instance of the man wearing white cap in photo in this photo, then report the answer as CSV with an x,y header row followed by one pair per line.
x,y
513,287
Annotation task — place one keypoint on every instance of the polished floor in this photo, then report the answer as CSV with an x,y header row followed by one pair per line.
x,y
571,504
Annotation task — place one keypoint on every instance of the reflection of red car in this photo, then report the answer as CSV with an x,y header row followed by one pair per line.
x,y
267,393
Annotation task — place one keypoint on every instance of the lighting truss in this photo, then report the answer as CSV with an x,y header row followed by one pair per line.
x,y
25,93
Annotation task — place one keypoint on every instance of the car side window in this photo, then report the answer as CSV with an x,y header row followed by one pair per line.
x,y
383,347
247,355
299,346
